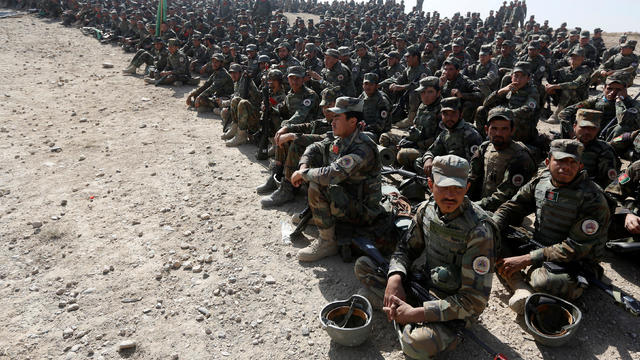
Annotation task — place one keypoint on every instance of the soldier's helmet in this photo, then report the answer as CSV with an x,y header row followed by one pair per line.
x,y
347,322
551,320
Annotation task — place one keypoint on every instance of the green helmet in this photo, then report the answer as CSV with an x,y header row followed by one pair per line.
x,y
348,322
551,320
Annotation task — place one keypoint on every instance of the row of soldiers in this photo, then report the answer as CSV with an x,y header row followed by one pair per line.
x,y
457,100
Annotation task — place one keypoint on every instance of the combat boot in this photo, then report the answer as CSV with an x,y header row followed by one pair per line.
x,y
521,291
230,133
131,69
239,139
320,248
283,195
271,184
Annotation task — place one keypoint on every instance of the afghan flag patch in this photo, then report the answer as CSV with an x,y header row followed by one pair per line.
x,y
623,179
551,195
335,149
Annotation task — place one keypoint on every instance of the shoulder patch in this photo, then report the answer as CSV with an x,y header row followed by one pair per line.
x,y
532,104
398,74
346,162
383,113
340,77
590,227
623,178
617,139
481,265
474,148
517,180
612,174
306,102
542,68
632,110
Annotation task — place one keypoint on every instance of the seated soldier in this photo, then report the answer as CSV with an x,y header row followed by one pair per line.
x,y
627,145
412,145
453,83
501,165
569,84
242,113
521,97
625,62
572,217
197,53
376,108
457,137
625,222
157,57
291,142
176,71
450,251
218,86
343,173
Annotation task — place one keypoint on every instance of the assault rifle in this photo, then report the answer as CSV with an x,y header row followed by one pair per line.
x,y
398,110
527,244
420,293
265,125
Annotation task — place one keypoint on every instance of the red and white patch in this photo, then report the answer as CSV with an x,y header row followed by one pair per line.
x,y
612,173
532,104
335,149
383,114
517,180
306,102
481,265
590,227
340,77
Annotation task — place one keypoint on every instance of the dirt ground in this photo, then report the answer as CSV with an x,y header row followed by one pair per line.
x,y
123,217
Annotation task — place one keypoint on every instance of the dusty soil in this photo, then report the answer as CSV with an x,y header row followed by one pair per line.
x,y
124,217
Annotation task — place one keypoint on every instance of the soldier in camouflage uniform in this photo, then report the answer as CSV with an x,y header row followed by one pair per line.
x,y
507,59
599,159
244,112
625,61
572,217
625,223
176,70
569,84
343,173
157,57
377,107
335,74
453,83
521,97
500,166
421,135
393,69
483,74
365,63
291,142
450,250
198,54
301,104
457,137
218,86
311,60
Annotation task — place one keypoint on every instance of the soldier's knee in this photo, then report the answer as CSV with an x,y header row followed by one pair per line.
x,y
561,284
423,342
315,196
364,267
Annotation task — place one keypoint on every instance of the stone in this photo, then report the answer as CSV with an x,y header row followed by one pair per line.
x,y
67,333
205,216
36,224
56,149
107,65
197,268
73,307
105,270
270,280
305,331
127,344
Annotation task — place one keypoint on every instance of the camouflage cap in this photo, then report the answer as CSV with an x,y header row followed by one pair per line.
x,y
574,32
501,35
545,38
309,47
564,148
298,71
285,45
507,43
577,51
328,95
394,54
500,113
629,44
173,42
450,170
235,67
485,50
344,51
428,81
345,104
588,117
332,52
413,50
523,66
252,47
533,45
226,43
585,34
360,45
597,30
453,61
217,56
275,74
158,40
617,77
264,58
458,42
370,78
450,103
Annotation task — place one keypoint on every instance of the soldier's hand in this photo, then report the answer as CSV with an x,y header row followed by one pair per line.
x,y
632,223
456,93
443,79
404,313
508,266
394,288
428,164
189,100
296,178
285,138
314,75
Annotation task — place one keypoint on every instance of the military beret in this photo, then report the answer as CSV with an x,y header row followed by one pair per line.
x,y
450,103
332,52
328,95
173,42
393,54
565,148
500,112
234,67
523,66
577,51
298,71
588,117
585,34
275,74
427,82
264,58
345,104
217,56
344,51
370,77
413,50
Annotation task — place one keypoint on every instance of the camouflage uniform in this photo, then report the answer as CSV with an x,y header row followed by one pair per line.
x,y
410,75
485,77
600,162
471,95
219,85
627,64
574,86
626,190
344,180
571,222
299,107
154,57
463,140
454,256
178,65
376,112
338,76
245,112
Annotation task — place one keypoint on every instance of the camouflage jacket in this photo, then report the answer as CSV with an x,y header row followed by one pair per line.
x,y
459,247
469,90
339,76
626,190
426,125
219,84
600,162
376,112
486,77
178,64
462,140
299,107
523,104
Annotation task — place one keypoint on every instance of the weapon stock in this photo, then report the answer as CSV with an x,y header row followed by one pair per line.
x,y
265,125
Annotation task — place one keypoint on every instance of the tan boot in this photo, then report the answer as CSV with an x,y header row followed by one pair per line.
x,y
320,248
239,139
131,69
231,132
521,291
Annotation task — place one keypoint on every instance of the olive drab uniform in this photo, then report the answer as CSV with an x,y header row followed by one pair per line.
x,y
453,254
344,180
496,175
463,140
219,85
471,95
600,162
574,86
485,77
376,112
626,190
339,76
570,221
299,107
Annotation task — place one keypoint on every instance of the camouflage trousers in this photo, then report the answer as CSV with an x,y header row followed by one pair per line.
x,y
563,285
406,157
331,203
418,341
290,153
142,57
564,98
245,114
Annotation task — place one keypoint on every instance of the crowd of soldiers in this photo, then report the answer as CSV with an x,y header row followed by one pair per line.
x,y
457,100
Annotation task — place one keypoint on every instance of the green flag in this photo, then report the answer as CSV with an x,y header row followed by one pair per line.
x,y
161,16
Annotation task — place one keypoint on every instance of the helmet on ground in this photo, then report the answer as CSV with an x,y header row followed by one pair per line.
x,y
348,322
551,320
